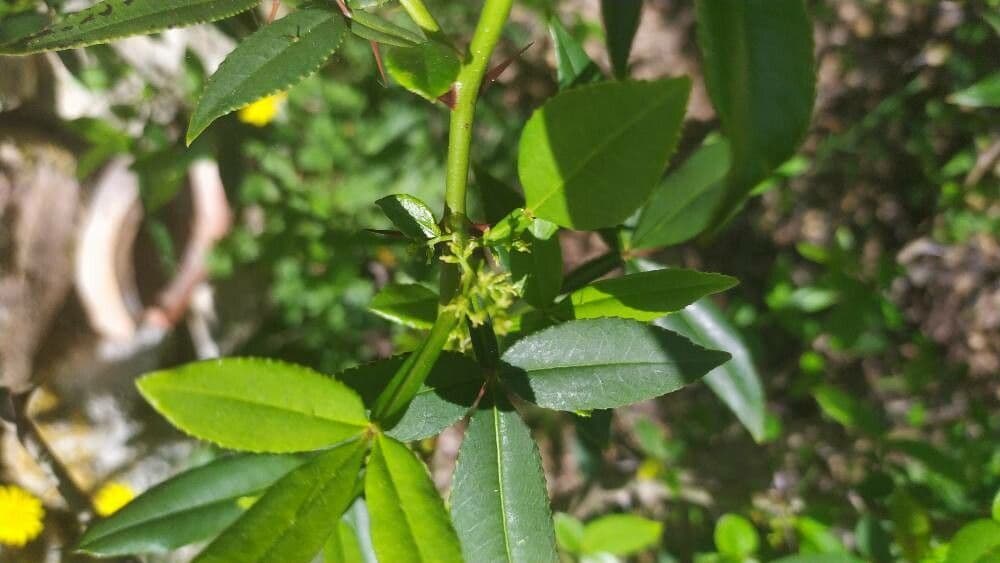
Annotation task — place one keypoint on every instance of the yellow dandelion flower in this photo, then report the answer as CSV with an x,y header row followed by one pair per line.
x,y
21,516
111,497
263,111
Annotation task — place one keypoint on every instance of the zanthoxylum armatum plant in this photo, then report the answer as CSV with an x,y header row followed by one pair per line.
x,y
505,330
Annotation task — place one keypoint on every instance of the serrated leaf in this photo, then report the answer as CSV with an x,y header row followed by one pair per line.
x,y
256,405
540,265
620,534
585,169
115,19
646,296
411,216
603,363
573,65
681,207
409,521
408,304
621,21
736,382
447,394
760,75
427,70
500,505
374,28
294,518
982,94
274,58
187,508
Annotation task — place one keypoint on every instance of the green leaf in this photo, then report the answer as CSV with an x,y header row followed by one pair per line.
x,y
585,169
373,28
573,65
497,198
500,505
646,296
872,538
447,394
427,70
603,363
995,512
541,265
342,546
256,405
294,518
974,541
681,206
411,216
736,382
934,459
620,534
569,532
115,19
982,94
20,26
408,304
188,508
276,57
847,410
408,518
760,75
736,537
621,21
818,558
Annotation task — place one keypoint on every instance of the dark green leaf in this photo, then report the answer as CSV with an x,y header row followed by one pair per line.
x,y
736,382
276,57
373,28
935,460
256,405
604,363
447,394
408,518
982,94
573,66
621,21
620,534
427,70
873,540
586,169
497,198
408,304
759,72
189,507
499,502
114,19
818,558
294,518
411,216
646,296
681,206
19,26
736,537
974,541
541,265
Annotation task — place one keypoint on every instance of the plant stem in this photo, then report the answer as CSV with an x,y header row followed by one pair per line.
x,y
420,15
470,79
392,402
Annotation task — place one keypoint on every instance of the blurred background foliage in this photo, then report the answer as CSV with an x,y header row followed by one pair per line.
x,y
869,268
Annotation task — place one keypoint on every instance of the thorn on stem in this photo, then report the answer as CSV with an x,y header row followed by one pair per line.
x,y
496,71
344,9
274,10
378,63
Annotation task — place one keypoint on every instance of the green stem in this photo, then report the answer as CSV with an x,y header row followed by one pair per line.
x,y
392,402
420,15
470,79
